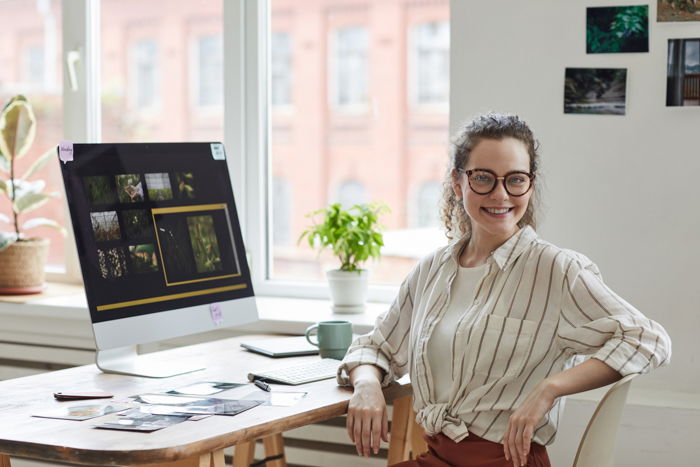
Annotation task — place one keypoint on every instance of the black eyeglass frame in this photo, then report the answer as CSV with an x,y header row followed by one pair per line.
x,y
469,172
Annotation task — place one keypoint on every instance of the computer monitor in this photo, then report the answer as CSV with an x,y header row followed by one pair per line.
x,y
160,246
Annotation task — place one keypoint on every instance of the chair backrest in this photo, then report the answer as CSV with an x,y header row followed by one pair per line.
x,y
597,446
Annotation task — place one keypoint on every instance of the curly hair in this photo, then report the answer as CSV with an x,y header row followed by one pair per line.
x,y
487,126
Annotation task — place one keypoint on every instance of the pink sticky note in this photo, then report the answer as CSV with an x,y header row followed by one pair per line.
x,y
65,151
216,314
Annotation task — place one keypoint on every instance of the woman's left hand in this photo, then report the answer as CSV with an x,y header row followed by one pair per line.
x,y
522,423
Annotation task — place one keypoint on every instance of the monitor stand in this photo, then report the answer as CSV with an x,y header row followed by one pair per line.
x,y
126,361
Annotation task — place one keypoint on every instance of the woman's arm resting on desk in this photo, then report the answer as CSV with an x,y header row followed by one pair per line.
x,y
367,415
588,375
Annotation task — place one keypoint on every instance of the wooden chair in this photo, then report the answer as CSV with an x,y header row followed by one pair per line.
x,y
406,435
597,446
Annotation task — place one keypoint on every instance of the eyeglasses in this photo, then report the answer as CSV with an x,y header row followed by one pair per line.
x,y
483,181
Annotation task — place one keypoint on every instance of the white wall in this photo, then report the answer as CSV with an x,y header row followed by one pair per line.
x,y
600,172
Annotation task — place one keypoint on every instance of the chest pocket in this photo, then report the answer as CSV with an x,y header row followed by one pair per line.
x,y
499,347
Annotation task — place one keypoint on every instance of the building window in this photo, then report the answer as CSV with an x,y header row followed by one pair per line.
x,y
281,211
210,70
144,73
350,67
351,192
281,69
427,204
33,67
430,44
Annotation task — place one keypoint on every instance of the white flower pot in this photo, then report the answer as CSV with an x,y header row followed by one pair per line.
x,y
348,290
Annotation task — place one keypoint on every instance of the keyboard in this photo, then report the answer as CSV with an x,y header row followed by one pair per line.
x,y
300,373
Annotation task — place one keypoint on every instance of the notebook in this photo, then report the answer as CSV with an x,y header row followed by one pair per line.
x,y
277,347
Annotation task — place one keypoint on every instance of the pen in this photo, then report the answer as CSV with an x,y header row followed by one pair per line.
x,y
262,385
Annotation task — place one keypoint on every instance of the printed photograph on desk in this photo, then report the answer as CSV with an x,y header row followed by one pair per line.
x,y
159,188
205,388
136,420
82,411
617,29
167,404
598,91
99,190
683,73
677,10
129,188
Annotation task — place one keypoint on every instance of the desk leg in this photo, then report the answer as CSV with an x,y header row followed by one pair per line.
x,y
399,447
213,459
244,454
274,446
4,460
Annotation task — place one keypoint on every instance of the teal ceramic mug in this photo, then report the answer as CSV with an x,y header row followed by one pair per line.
x,y
333,338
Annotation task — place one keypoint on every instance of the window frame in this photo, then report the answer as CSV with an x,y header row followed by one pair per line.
x,y
247,129
247,111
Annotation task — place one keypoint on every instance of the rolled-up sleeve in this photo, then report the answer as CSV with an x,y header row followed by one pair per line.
x,y
387,345
597,322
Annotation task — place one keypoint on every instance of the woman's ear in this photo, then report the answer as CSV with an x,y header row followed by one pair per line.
x,y
456,187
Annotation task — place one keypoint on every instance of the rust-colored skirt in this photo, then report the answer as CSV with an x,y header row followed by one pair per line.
x,y
472,451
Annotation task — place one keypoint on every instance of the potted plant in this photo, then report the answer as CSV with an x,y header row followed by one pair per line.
x,y
354,235
23,258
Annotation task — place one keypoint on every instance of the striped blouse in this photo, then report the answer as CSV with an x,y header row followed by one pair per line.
x,y
537,309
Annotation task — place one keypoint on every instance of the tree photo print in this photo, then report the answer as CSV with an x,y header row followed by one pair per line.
x,y
617,29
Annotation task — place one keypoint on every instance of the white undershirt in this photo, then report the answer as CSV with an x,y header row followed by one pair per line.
x,y
440,343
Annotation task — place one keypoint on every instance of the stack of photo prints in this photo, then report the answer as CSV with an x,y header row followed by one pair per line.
x,y
155,411
625,29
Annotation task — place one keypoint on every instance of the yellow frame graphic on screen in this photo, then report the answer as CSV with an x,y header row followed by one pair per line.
x,y
196,208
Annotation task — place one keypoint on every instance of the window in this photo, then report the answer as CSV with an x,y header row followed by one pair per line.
x,y
162,70
358,140
351,192
30,51
210,70
33,65
282,212
350,73
143,66
430,72
427,202
280,69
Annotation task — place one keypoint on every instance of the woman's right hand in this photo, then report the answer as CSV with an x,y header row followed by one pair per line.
x,y
367,422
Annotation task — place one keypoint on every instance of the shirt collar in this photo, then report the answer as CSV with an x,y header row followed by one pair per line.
x,y
506,253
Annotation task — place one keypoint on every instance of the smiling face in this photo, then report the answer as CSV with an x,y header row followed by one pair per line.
x,y
495,215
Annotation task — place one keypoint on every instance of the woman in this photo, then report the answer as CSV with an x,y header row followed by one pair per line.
x,y
490,326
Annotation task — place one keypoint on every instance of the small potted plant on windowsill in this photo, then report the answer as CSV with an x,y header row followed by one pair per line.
x,y
23,258
354,235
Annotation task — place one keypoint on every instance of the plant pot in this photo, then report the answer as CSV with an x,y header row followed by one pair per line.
x,y
23,264
348,290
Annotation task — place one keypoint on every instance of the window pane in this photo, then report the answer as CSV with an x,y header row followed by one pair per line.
x,y
162,70
351,134
30,53
431,55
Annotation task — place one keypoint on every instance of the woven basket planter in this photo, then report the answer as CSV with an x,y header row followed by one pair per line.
x,y
22,266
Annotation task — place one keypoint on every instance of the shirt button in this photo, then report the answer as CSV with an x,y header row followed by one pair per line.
x,y
477,302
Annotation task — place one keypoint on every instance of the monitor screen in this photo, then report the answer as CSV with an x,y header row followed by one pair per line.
x,y
159,240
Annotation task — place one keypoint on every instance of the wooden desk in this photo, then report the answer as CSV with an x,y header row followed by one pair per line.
x,y
204,440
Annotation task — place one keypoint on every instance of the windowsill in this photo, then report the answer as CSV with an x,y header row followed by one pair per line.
x,y
280,315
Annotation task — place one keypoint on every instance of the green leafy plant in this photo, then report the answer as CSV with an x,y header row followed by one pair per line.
x,y
17,132
354,234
